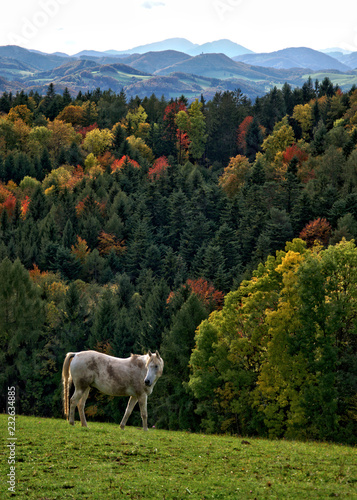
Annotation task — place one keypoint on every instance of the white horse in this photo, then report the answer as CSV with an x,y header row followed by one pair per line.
x,y
134,377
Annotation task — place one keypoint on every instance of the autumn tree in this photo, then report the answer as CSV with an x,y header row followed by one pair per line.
x,y
72,114
318,230
98,141
234,176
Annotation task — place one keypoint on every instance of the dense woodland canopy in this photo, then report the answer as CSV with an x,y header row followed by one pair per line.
x,y
131,225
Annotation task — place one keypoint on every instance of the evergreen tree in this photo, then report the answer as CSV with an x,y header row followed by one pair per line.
x,y
176,348
22,317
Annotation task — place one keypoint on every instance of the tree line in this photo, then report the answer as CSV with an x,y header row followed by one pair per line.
x,y
129,225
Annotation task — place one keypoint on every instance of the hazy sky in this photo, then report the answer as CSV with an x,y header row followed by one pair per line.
x,y
260,25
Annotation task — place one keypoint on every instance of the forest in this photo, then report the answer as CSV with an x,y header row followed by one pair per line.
x,y
220,233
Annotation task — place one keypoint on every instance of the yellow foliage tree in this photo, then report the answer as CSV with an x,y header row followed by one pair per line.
x,y
303,115
98,141
21,112
139,145
277,142
234,175
72,114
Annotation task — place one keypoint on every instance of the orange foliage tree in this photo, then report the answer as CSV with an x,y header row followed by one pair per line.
x,y
80,250
88,204
75,178
108,242
205,291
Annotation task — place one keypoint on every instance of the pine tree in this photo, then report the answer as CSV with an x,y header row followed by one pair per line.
x,y
177,345
22,316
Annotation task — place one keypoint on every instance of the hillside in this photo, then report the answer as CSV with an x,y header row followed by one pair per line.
x,y
13,69
218,66
124,223
35,59
50,456
348,59
295,57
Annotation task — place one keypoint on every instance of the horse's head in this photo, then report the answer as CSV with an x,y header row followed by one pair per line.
x,y
155,366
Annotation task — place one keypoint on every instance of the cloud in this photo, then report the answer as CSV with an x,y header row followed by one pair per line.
x,y
151,5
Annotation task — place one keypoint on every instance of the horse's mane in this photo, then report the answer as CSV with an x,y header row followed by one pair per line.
x,y
135,358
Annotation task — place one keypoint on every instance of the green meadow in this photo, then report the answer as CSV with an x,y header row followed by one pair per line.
x,y
57,461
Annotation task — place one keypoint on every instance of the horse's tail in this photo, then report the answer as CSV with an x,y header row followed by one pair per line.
x,y
66,381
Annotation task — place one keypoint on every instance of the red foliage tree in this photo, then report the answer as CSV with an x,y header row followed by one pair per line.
x,y
159,168
294,152
319,230
76,177
84,130
124,160
9,205
170,113
242,132
25,206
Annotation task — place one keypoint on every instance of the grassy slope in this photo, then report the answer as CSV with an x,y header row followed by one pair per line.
x,y
56,461
344,80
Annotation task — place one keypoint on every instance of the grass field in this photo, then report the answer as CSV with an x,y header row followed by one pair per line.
x,y
56,461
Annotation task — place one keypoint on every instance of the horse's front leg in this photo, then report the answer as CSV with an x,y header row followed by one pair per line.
x,y
143,403
132,402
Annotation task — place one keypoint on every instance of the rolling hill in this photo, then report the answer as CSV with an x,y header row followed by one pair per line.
x,y
151,62
86,75
169,72
222,67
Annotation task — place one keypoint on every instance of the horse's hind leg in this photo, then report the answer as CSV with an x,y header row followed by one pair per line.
x,y
132,402
81,405
78,393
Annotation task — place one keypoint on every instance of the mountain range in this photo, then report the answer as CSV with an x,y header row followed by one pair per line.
x,y
174,67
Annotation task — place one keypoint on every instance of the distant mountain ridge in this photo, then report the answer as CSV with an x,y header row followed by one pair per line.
x,y
172,72
294,57
224,46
